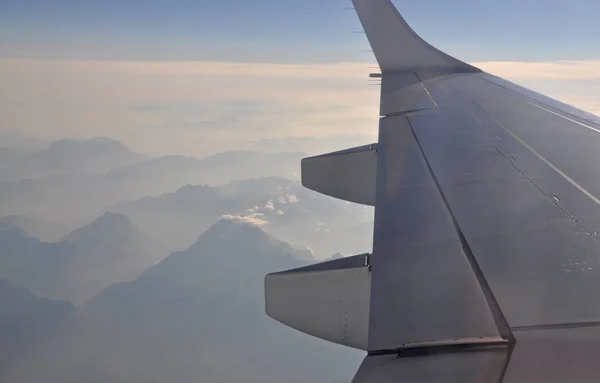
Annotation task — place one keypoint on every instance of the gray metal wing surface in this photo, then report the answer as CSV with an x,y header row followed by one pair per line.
x,y
486,249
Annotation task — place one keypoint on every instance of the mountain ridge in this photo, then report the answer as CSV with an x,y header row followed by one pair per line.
x,y
196,316
68,199
70,156
284,208
108,250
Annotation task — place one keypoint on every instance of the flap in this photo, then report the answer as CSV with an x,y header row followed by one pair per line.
x,y
329,300
349,175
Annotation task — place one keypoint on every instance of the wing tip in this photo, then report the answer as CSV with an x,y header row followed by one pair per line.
x,y
397,46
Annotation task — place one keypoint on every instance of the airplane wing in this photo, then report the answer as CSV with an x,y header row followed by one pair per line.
x,y
486,249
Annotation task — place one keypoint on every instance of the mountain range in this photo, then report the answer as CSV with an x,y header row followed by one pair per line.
x,y
71,157
198,315
39,266
108,250
71,181
47,231
93,223
218,169
283,208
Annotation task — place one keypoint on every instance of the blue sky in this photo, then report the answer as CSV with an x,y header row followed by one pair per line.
x,y
291,31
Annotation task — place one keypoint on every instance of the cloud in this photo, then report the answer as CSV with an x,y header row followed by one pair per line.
x,y
553,70
313,145
269,206
272,207
191,68
191,108
199,108
253,219
287,199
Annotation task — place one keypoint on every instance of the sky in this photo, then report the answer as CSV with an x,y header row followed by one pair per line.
x,y
196,76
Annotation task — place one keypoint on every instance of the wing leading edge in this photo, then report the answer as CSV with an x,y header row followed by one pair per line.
x,y
486,254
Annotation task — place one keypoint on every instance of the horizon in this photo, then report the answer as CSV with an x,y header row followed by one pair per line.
x,y
172,80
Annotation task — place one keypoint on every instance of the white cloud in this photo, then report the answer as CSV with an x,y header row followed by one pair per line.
x,y
269,206
190,68
272,206
198,108
253,219
553,70
192,108
287,199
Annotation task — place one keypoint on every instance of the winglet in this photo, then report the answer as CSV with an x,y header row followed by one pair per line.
x,y
398,48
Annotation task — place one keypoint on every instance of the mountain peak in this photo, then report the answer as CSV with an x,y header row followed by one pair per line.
x,y
69,157
248,230
239,229
109,225
239,236
100,143
11,230
231,222
231,250
111,249
110,220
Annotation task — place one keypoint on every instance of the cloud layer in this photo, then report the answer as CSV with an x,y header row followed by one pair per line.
x,y
185,108
198,108
554,70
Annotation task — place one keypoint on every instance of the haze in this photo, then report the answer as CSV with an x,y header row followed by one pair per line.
x,y
149,165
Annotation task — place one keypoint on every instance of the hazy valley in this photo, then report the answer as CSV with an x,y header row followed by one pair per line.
x,y
124,268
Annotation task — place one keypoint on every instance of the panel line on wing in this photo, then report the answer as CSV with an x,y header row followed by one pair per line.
x,y
403,113
529,97
557,326
429,94
444,347
555,199
546,161
497,314
443,344
565,117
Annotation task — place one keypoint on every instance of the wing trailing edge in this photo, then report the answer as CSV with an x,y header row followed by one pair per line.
x,y
329,300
